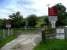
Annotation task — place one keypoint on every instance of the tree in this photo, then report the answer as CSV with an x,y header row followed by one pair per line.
x,y
16,19
2,23
60,7
62,19
32,20
46,21
62,15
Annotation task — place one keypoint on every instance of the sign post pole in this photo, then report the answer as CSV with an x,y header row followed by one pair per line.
x,y
8,26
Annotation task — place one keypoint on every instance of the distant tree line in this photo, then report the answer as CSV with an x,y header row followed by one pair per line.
x,y
17,21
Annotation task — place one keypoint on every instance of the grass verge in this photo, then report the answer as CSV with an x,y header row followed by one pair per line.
x,y
52,45
6,40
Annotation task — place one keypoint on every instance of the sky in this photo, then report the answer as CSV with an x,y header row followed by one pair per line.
x,y
27,7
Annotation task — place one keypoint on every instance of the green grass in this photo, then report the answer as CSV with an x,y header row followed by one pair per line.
x,y
52,45
6,40
23,31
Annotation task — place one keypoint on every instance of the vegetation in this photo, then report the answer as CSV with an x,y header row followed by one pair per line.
x,y
6,40
32,20
52,45
24,31
16,20
62,15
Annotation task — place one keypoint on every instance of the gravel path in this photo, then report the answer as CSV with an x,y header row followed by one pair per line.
x,y
23,42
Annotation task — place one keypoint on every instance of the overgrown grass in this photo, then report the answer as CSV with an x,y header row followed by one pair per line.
x,y
6,40
52,45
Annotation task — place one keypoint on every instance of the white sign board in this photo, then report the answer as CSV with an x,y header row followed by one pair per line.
x,y
52,20
8,25
59,30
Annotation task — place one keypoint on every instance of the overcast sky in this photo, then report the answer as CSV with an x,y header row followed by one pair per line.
x,y
27,7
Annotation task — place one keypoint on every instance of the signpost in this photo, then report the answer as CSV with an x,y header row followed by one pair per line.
x,y
8,26
52,15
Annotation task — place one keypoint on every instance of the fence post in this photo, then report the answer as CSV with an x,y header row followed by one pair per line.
x,y
4,33
65,30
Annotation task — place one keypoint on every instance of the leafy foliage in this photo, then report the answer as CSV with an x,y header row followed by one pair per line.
x,y
32,20
16,20
46,21
62,15
60,7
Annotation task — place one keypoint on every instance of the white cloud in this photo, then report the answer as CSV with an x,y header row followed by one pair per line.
x,y
28,7
41,6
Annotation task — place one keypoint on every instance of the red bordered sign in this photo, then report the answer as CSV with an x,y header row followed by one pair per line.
x,y
52,11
